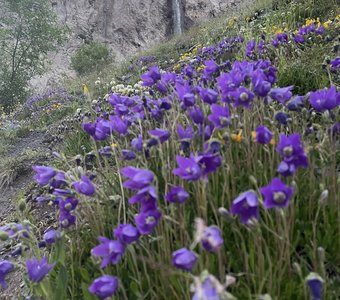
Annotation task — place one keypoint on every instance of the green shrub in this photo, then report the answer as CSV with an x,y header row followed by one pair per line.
x,y
91,57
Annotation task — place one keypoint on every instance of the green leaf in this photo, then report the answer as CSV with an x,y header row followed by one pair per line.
x,y
61,284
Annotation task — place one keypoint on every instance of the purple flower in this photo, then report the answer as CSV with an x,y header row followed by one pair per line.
x,y
104,286
137,143
15,230
146,221
68,204
250,47
276,194
111,251
184,259
185,134
84,186
315,284
161,134
209,290
210,68
212,239
119,125
128,155
281,94
220,116
147,196
126,233
139,178
196,114
188,168
51,236
43,174
291,150
263,135
282,118
296,103
261,47
177,194
5,268
59,180
246,205
286,169
275,43
335,63
152,76
326,99
261,86
185,95
38,269
242,97
66,219
208,95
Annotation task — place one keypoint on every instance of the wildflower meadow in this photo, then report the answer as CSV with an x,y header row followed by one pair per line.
x,y
215,176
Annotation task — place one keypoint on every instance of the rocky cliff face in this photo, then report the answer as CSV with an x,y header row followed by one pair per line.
x,y
127,26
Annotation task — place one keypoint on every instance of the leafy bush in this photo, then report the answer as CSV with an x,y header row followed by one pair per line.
x,y
91,57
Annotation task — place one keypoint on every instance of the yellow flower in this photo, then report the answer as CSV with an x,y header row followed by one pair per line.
x,y
200,68
253,135
237,137
327,23
86,90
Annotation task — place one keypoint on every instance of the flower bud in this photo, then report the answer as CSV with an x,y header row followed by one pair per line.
x,y
297,268
3,236
321,254
323,197
22,205
253,180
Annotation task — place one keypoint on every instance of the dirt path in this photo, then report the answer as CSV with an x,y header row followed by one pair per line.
x,y
24,177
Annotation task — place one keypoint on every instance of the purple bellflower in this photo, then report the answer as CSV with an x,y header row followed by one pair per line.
x,y
38,269
184,259
104,286
276,194
246,205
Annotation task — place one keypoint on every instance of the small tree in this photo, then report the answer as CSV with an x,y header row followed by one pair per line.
x,y
91,57
28,30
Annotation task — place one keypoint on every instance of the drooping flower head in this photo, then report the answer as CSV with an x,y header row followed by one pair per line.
x,y
291,150
281,95
276,194
188,168
220,116
263,135
84,186
212,239
138,178
152,76
208,288
38,269
110,250
51,236
246,205
160,134
315,284
44,174
147,220
184,259
325,99
5,268
126,233
177,194
104,286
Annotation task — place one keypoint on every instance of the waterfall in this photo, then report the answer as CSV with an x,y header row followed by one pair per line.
x,y
177,16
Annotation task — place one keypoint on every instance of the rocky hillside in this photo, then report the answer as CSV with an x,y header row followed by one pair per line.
x,y
127,26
